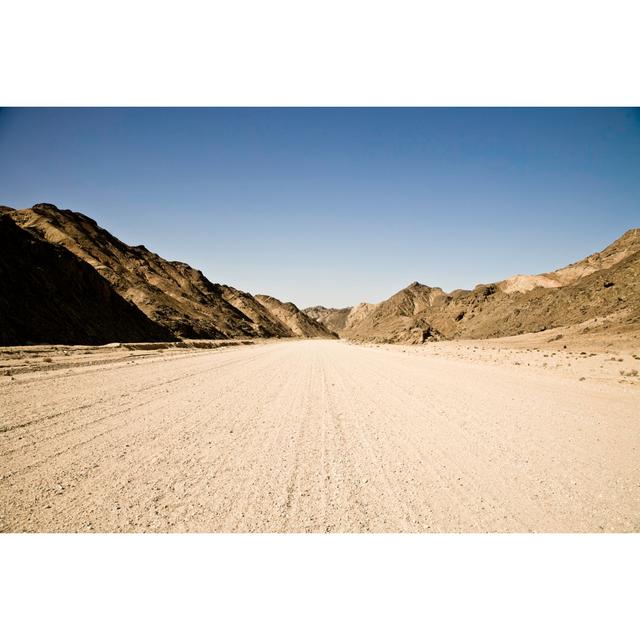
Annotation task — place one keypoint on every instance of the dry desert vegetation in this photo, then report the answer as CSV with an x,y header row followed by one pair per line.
x,y
137,395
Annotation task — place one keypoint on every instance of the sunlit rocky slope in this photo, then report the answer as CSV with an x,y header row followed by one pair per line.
x,y
605,285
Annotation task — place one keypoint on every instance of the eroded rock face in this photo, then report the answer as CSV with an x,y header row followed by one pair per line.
x,y
49,295
604,284
170,293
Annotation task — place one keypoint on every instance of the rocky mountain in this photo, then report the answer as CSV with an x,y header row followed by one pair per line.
x,y
624,246
49,295
339,320
297,321
358,313
333,319
604,285
65,279
265,323
170,293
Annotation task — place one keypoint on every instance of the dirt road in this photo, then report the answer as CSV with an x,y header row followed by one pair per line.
x,y
316,436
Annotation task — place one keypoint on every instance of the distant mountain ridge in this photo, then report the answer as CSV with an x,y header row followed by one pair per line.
x,y
606,284
299,322
338,320
65,279
171,294
333,319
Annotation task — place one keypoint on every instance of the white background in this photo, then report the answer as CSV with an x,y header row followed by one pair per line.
x,y
319,53
329,52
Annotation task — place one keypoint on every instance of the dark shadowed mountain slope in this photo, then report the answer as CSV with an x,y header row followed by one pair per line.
x,y
48,295
170,293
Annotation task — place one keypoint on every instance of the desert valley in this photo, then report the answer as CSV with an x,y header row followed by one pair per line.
x,y
137,395
320,320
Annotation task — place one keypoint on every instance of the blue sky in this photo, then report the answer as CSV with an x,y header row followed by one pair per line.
x,y
337,206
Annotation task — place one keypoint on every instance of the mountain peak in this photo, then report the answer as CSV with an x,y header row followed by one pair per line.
x,y
47,206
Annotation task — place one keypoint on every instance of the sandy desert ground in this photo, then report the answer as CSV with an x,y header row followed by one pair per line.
x,y
315,436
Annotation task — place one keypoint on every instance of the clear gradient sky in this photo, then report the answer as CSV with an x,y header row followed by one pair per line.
x,y
337,206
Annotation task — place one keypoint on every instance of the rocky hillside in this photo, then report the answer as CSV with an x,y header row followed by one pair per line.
x,y
48,295
625,245
266,324
170,293
65,279
606,284
333,319
339,320
298,322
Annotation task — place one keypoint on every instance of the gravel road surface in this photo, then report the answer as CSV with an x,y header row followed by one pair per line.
x,y
316,436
